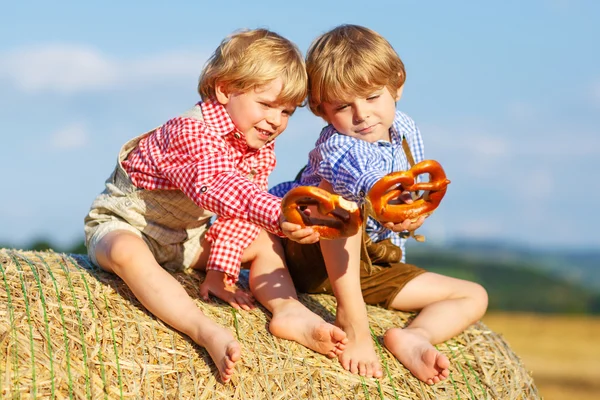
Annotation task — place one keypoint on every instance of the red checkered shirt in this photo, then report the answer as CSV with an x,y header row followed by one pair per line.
x,y
211,163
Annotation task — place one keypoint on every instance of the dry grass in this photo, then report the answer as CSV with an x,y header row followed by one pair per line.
x,y
561,351
68,330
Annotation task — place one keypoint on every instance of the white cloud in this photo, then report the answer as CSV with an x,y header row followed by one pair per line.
x,y
72,136
533,189
482,147
71,69
465,140
564,143
473,150
59,68
166,65
487,146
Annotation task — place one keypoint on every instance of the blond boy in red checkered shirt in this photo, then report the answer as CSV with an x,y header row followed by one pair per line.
x,y
212,162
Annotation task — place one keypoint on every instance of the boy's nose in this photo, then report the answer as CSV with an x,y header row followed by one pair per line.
x,y
274,118
360,113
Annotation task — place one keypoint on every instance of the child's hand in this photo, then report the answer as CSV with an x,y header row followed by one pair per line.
x,y
298,234
406,225
216,284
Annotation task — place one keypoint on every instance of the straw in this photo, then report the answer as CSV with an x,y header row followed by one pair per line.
x,y
70,330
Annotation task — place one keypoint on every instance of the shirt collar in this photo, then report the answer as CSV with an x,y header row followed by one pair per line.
x,y
395,135
216,117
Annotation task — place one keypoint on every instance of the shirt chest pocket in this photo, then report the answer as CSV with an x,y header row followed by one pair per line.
x,y
248,168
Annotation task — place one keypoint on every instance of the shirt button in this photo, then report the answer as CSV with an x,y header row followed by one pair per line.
x,y
361,193
236,135
203,189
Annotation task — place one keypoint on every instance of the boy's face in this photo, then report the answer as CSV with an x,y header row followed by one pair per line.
x,y
365,118
257,113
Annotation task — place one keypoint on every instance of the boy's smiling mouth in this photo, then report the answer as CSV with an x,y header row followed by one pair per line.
x,y
264,133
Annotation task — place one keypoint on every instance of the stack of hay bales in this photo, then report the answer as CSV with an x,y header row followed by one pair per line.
x,y
69,330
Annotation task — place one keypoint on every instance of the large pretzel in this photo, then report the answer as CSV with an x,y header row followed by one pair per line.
x,y
346,215
434,192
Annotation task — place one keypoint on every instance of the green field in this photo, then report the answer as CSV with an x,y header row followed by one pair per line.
x,y
561,351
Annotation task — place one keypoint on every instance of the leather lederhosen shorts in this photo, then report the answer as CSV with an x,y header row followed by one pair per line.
x,y
382,275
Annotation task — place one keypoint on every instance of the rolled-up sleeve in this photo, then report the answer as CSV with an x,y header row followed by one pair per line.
x,y
206,172
228,239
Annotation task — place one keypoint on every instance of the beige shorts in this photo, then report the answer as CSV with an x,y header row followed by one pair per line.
x,y
170,223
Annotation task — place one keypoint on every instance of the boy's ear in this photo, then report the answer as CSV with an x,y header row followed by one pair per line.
x,y
222,92
399,93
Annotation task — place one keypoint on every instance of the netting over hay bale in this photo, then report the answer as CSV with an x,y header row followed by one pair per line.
x,y
69,330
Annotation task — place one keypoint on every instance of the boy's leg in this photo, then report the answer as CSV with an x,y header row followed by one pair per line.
x,y
272,286
447,307
128,256
342,261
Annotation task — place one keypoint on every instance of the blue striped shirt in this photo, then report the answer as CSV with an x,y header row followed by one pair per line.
x,y
352,166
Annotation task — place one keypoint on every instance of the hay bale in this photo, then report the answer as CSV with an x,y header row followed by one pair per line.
x,y
68,329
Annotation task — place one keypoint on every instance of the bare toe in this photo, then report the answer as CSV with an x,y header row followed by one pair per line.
x,y
418,355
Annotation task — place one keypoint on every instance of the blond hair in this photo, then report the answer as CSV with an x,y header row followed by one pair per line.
x,y
249,59
350,61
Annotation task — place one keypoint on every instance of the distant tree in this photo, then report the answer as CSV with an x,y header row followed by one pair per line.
x,y
78,248
41,245
514,286
595,305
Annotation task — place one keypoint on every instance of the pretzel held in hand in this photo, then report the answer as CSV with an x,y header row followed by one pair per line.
x,y
346,215
434,192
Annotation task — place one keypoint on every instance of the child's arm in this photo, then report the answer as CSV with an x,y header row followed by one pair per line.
x,y
204,166
342,261
228,239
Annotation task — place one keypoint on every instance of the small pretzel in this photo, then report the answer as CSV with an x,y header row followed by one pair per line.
x,y
346,215
435,189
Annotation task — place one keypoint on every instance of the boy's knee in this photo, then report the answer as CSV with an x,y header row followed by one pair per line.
x,y
116,249
265,245
480,299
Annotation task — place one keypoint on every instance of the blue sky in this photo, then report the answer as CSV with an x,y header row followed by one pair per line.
x,y
506,94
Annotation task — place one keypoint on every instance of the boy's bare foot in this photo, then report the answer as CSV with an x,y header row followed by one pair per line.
x,y
224,350
360,356
418,355
293,321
